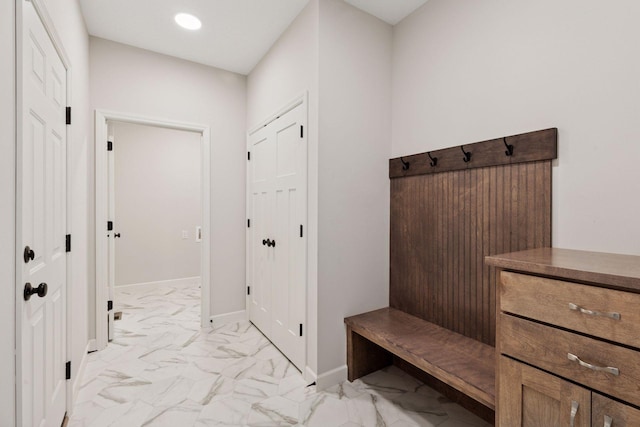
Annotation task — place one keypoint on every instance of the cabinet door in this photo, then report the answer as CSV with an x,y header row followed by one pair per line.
x,y
609,413
529,397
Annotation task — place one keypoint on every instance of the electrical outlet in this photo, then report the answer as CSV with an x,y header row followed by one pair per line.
x,y
185,234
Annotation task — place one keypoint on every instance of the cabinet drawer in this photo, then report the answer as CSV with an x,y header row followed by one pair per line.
x,y
549,349
587,309
609,413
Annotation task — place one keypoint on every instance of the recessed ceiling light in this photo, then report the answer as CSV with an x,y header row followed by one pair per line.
x,y
188,21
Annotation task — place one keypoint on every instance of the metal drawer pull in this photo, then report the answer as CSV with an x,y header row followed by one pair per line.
x,y
574,412
608,369
608,421
615,316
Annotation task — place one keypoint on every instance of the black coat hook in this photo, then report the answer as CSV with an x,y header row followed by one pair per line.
x,y
467,155
405,165
434,160
509,151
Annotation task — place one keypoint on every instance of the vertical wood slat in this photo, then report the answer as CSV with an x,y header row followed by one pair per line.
x,y
442,227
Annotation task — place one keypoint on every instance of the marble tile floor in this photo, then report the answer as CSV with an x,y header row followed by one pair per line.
x,y
162,369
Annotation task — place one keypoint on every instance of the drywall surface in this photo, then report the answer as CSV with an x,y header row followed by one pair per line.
x,y
290,69
134,81
466,71
157,198
7,211
353,187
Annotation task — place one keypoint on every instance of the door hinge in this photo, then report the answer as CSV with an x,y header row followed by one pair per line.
x,y
109,145
68,370
68,114
301,231
67,243
109,305
300,329
109,225
248,223
248,155
301,131
248,290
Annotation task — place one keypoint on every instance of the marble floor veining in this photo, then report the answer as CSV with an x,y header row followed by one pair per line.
x,y
162,369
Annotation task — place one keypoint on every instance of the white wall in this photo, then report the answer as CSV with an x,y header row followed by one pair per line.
x,y
342,57
353,197
466,71
157,197
131,80
288,70
7,211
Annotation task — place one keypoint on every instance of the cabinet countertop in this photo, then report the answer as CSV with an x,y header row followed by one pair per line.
x,y
613,271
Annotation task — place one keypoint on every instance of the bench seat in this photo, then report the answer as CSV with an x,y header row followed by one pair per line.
x,y
461,362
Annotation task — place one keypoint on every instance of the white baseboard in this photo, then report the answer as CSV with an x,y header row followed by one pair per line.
x,y
185,281
309,376
92,345
331,378
77,381
221,319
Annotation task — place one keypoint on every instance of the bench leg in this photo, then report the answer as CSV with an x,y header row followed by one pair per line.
x,y
363,356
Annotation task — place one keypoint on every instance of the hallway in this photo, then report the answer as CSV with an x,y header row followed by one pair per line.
x,y
163,370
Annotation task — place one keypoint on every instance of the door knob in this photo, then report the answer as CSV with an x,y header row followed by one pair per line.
x,y
264,242
29,290
116,235
28,254
273,243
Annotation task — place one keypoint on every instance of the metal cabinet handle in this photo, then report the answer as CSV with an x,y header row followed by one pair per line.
x,y
612,315
608,369
574,411
608,421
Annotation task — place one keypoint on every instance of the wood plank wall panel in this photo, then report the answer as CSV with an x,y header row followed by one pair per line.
x,y
442,227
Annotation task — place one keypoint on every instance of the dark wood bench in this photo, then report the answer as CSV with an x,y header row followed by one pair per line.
x,y
463,363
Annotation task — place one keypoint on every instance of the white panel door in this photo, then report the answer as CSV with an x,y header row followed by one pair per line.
x,y
290,250
276,240
42,204
259,265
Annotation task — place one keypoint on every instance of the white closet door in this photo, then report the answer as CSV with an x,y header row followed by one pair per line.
x,y
276,239
261,193
42,202
289,253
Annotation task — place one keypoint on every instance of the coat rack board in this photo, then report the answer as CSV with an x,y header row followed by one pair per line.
x,y
522,148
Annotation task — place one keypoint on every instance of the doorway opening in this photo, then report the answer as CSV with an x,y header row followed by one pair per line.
x,y
152,217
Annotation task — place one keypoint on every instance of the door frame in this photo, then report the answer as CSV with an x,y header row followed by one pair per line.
x,y
48,24
101,135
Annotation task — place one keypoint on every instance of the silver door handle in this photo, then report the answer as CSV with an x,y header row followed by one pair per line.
x,y
608,421
612,315
574,411
608,369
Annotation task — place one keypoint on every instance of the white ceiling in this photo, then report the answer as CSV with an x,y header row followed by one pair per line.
x,y
235,34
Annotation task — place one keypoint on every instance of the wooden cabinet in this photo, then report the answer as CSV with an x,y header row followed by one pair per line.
x,y
568,341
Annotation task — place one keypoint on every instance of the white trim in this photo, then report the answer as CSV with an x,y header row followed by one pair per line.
x,y
331,378
92,346
77,381
185,281
233,317
302,98
309,375
101,118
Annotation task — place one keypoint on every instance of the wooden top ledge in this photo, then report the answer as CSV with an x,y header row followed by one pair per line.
x,y
613,271
463,363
